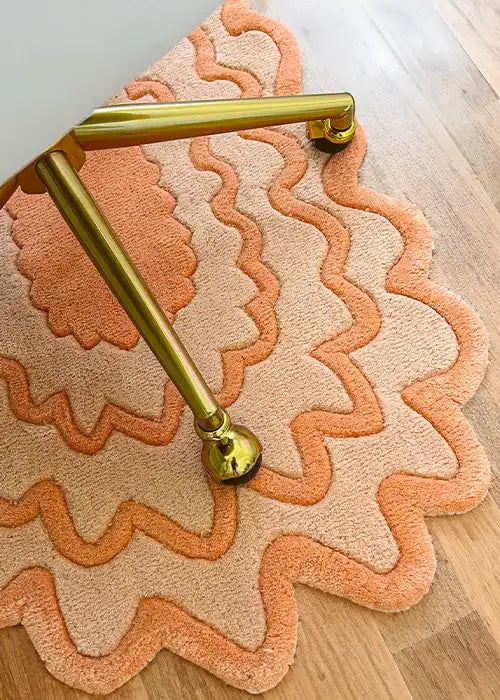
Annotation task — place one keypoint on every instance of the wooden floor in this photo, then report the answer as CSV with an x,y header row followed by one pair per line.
x,y
426,77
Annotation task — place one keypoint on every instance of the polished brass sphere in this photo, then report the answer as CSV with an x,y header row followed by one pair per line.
x,y
231,454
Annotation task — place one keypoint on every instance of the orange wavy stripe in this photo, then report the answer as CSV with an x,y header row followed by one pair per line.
x,y
238,18
56,411
46,500
409,276
249,261
209,69
224,208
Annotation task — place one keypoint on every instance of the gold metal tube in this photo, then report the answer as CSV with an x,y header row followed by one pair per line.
x,y
119,272
135,124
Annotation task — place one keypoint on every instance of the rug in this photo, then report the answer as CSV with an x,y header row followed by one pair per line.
x,y
305,299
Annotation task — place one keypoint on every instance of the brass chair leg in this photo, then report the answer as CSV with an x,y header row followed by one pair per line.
x,y
230,453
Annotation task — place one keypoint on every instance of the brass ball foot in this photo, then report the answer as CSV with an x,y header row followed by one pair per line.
x,y
244,478
231,454
329,139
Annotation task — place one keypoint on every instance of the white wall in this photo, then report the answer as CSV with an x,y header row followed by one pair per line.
x,y
61,58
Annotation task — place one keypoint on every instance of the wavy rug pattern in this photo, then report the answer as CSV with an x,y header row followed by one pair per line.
x,y
306,300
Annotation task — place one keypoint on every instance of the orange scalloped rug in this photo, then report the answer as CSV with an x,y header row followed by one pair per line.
x,y
305,299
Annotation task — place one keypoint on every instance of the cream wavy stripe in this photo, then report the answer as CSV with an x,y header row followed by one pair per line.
x,y
309,428
223,206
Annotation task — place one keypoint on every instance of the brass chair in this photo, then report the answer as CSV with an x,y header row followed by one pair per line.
x,y
231,453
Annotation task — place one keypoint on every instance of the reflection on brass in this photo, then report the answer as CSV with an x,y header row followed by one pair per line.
x,y
135,124
231,454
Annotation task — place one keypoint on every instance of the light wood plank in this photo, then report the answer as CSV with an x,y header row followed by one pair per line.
x,y
457,91
446,602
471,543
476,25
461,661
341,654
23,675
